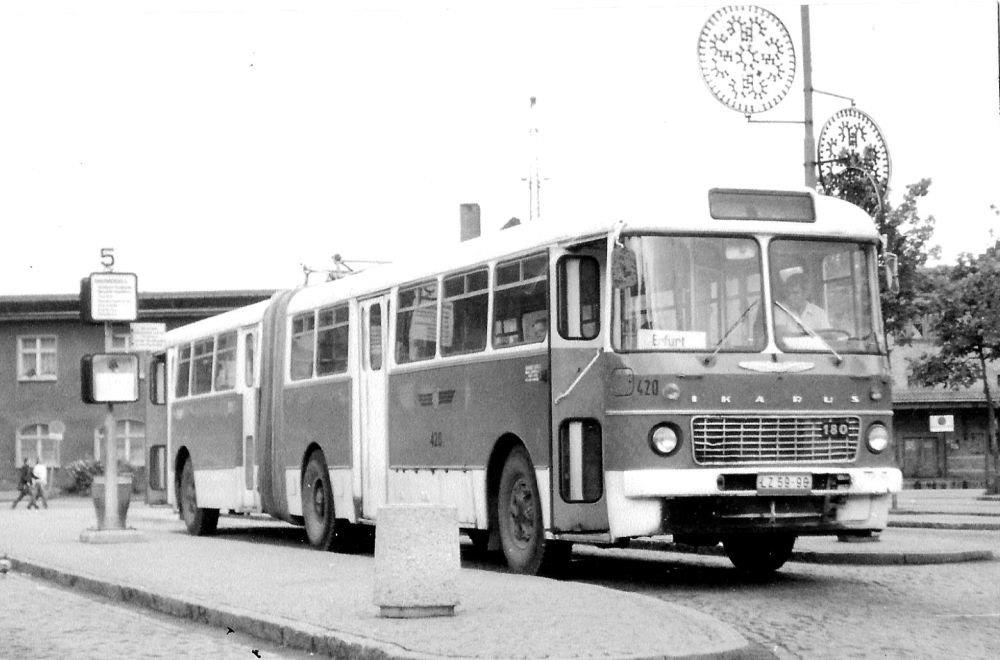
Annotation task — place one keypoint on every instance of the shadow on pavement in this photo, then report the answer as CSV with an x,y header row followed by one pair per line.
x,y
610,569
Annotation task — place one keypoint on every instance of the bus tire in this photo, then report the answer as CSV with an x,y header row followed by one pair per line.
x,y
200,522
318,514
759,554
519,515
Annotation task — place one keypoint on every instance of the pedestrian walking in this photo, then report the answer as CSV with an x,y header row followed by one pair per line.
x,y
38,483
24,478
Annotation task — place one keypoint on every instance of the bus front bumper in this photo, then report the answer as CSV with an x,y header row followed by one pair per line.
x,y
727,500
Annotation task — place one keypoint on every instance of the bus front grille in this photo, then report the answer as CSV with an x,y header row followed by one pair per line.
x,y
774,439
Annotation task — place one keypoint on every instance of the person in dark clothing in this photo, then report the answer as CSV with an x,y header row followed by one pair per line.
x,y
24,479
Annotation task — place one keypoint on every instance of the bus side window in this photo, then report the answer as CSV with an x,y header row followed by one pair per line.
x,y
183,384
201,381
579,297
463,313
375,337
248,361
520,302
225,362
332,340
416,323
303,345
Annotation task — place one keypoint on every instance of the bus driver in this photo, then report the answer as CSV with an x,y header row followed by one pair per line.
x,y
812,316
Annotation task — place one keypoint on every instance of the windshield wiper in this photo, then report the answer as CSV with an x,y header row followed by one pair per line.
x,y
718,345
809,331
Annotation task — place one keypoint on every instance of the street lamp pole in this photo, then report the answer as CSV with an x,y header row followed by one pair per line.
x,y
809,141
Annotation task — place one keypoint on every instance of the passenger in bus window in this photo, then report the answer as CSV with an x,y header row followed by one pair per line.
x,y
225,374
539,330
794,300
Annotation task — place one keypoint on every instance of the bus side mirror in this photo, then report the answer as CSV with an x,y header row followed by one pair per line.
x,y
158,381
891,266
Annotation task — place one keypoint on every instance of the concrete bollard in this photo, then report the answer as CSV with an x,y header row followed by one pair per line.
x,y
416,560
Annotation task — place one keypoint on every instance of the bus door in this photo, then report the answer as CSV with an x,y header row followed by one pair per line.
x,y
248,385
577,385
157,490
374,403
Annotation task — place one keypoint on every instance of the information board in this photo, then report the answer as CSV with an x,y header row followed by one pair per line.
x,y
109,297
148,337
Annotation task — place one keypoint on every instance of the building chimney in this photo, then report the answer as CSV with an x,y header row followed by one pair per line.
x,y
469,220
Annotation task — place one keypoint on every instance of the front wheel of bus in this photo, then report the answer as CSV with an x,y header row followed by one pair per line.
x,y
519,515
759,554
200,522
317,504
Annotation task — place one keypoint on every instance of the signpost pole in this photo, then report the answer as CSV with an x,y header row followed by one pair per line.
x,y
110,473
107,298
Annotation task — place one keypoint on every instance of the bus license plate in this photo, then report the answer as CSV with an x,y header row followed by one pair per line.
x,y
784,483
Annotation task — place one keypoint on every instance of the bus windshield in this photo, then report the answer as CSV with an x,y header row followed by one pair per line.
x,y
822,296
691,293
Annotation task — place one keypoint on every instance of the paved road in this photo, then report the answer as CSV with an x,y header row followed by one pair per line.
x,y
813,611
44,621
806,611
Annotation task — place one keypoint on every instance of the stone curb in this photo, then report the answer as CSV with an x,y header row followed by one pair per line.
x,y
302,636
981,527
842,558
273,629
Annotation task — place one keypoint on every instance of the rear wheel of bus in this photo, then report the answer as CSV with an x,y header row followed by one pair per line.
x,y
200,522
317,504
519,519
759,554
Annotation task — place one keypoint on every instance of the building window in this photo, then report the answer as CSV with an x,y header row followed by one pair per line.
x,y
36,358
130,435
36,444
117,338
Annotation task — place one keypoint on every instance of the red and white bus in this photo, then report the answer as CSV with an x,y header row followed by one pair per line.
x,y
561,383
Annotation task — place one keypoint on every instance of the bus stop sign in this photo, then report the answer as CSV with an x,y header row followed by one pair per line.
x,y
108,297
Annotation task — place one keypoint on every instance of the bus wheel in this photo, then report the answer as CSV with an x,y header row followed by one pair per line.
x,y
519,510
200,522
759,554
317,503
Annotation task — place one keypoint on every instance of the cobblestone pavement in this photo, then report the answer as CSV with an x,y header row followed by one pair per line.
x,y
812,611
44,621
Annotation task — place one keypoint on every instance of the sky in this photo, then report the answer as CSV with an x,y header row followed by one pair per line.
x,y
218,144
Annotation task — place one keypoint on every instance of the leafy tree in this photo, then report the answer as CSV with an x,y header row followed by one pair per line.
x,y
907,236
967,331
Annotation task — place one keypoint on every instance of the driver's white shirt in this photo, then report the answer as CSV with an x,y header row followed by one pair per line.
x,y
812,316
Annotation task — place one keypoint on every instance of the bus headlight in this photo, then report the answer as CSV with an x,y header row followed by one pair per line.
x,y
665,439
878,438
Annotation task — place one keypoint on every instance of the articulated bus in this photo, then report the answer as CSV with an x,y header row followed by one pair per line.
x,y
560,384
